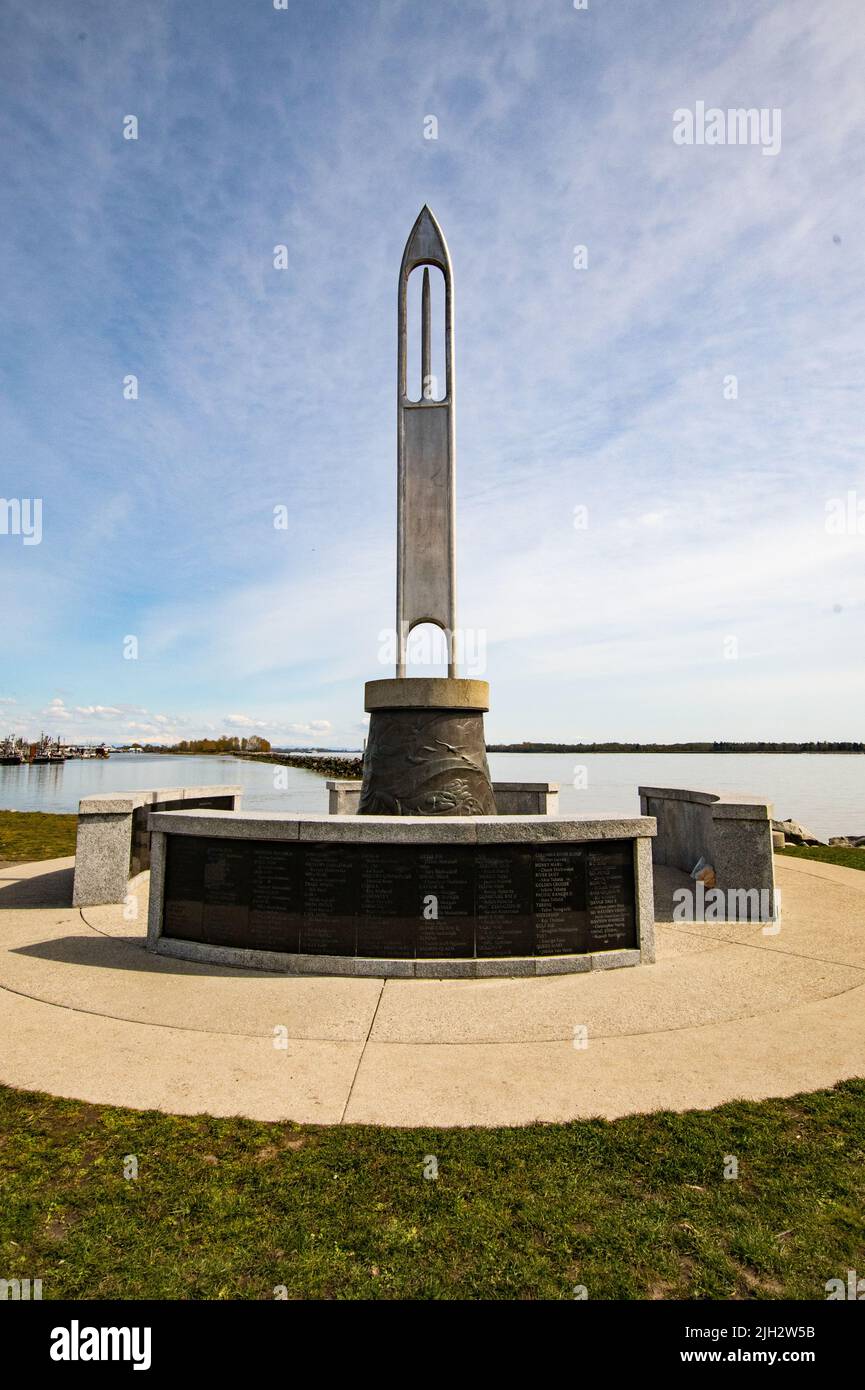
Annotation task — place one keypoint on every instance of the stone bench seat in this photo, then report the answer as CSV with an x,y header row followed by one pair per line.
x,y
731,831
113,840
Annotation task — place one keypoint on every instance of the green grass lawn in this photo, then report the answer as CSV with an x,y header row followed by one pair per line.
x,y
30,835
827,854
635,1208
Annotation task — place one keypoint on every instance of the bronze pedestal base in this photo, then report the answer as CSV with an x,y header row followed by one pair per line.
x,y
425,754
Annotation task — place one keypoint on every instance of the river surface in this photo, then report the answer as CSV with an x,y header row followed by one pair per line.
x,y
825,791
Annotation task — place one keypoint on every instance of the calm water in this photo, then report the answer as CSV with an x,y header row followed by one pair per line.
x,y
824,791
47,787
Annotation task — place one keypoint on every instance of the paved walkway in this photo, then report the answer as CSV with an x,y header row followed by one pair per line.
x,y
727,1012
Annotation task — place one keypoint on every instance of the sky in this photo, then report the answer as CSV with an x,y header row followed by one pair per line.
x,y
660,483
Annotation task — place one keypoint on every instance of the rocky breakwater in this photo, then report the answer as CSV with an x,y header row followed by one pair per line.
x,y
792,832
326,765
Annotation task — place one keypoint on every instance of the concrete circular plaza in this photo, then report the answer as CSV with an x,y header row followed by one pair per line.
x,y
729,1011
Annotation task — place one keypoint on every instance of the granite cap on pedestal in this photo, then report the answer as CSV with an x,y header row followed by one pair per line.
x,y
427,692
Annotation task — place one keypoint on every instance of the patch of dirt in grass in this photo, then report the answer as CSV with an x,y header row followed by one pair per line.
x,y
757,1283
62,1123
58,1227
661,1289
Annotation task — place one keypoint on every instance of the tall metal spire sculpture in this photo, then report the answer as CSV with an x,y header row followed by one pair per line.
x,y
425,754
426,519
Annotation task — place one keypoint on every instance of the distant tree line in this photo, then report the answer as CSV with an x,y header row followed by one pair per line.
x,y
337,763
253,744
719,746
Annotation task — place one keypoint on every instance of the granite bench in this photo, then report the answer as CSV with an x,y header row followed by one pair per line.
x,y
731,831
113,840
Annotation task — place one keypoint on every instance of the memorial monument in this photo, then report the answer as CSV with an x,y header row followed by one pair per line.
x,y
421,875
426,754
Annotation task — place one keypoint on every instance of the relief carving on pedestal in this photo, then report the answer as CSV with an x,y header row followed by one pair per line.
x,y
426,763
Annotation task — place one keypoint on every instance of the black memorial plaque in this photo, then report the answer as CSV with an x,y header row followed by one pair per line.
x,y
331,899
276,897
184,887
401,901
503,902
446,902
611,896
389,902
225,920
561,927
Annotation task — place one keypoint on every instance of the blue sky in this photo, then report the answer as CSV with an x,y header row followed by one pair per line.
x,y
705,598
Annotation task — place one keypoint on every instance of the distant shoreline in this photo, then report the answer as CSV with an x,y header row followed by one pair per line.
x,y
720,748
676,748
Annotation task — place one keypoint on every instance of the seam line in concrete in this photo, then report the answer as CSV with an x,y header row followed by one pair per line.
x,y
151,1023
604,1037
755,946
384,985
601,1037
136,942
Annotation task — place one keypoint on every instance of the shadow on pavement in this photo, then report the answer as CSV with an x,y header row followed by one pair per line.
x,y
113,953
51,889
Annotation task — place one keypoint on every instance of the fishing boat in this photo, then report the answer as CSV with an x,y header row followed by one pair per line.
x,y
47,750
39,751
11,753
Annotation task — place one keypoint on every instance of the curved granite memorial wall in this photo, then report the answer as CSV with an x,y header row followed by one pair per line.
x,y
443,894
